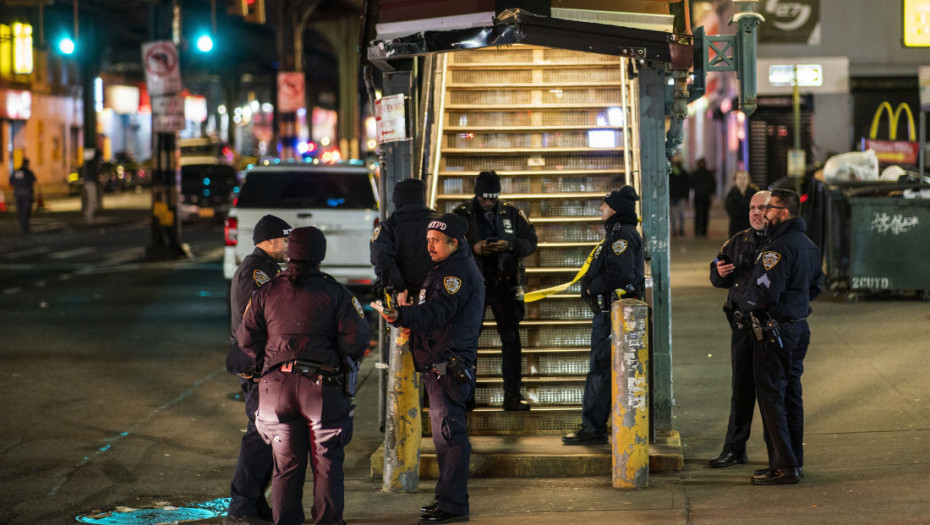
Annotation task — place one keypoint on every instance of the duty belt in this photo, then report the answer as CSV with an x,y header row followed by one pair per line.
x,y
307,368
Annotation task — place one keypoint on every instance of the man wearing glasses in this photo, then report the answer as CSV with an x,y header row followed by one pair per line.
x,y
732,269
786,278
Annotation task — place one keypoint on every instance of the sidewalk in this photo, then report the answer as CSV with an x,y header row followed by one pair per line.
x,y
867,438
63,213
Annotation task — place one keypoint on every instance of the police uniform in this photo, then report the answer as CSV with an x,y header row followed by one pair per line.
x,y
308,335
741,251
444,324
618,265
504,275
253,468
786,278
398,245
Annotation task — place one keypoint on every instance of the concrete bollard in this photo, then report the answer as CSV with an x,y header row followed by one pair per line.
x,y
403,422
630,390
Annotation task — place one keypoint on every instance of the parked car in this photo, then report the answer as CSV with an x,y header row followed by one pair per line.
x,y
207,189
339,199
207,147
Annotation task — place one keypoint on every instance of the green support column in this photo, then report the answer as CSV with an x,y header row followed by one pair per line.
x,y
654,180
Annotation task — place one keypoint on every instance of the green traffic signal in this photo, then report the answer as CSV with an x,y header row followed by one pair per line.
x,y
66,46
204,43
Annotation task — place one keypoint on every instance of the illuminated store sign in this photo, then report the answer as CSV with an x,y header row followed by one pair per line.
x,y
917,23
22,49
807,75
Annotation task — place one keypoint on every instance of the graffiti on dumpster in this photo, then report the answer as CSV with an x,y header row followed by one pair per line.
x,y
893,224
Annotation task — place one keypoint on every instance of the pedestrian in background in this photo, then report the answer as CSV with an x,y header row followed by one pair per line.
x,y
501,236
616,270
398,246
732,269
23,182
445,324
704,184
679,188
737,202
786,278
254,466
310,333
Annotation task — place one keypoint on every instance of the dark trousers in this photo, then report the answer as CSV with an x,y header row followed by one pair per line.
x,y
778,372
253,469
701,214
24,211
450,436
298,414
595,405
743,391
508,312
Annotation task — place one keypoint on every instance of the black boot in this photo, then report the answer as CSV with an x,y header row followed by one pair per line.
x,y
513,402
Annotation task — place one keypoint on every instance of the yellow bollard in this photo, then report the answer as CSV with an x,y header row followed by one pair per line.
x,y
630,393
403,425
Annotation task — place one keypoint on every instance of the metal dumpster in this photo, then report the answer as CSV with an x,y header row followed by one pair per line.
x,y
889,246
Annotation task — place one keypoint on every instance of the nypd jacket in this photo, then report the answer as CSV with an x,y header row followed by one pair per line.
x,y
510,224
398,248
787,274
319,321
449,313
255,270
741,251
618,262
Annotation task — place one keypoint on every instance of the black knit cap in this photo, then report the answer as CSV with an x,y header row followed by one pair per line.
x,y
453,225
306,244
270,227
622,200
409,191
488,185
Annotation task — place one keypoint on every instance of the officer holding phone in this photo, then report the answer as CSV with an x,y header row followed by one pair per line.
x,y
501,236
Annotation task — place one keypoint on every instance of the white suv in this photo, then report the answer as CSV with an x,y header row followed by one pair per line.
x,y
339,199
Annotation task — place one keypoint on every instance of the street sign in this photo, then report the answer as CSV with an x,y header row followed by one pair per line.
x,y
291,91
162,71
167,114
796,162
923,81
390,119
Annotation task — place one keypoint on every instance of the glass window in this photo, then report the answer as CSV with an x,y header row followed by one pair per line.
x,y
307,189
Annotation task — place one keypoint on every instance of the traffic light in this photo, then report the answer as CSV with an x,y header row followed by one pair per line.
x,y
204,43
66,45
252,10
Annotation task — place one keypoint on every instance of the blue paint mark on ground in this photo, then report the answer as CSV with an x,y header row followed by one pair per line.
x,y
169,514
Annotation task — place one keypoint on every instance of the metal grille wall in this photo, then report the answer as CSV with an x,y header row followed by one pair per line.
x,y
771,135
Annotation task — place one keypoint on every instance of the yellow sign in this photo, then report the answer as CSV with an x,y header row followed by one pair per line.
x,y
22,49
916,23
893,121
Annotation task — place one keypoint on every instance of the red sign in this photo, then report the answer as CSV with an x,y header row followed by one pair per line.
x,y
894,151
162,74
290,91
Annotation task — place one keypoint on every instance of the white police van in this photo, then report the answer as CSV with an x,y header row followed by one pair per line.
x,y
340,199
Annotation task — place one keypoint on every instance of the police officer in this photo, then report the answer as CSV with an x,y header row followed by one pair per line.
x,y
253,469
310,333
23,182
732,269
617,269
786,278
445,324
501,236
398,246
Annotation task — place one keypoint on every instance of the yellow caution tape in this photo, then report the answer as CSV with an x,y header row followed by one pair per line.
x,y
546,292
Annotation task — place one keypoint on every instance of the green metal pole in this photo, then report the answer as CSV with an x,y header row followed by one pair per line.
x,y
654,178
